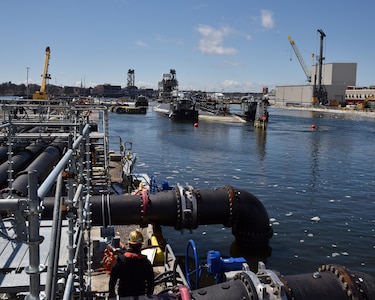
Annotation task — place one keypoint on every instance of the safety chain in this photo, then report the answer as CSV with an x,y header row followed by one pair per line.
x,y
144,203
231,197
350,282
178,208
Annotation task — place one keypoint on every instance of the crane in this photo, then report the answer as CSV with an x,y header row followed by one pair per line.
x,y
300,58
42,94
320,93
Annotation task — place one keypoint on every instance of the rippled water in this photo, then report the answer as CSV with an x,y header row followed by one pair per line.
x,y
318,186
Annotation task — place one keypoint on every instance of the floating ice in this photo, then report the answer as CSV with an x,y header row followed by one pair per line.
x,y
288,214
315,219
334,254
310,235
272,220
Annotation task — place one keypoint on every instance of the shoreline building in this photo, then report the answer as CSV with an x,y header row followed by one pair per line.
x,y
336,78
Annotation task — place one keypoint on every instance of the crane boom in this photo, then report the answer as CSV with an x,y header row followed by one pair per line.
x,y
42,94
300,59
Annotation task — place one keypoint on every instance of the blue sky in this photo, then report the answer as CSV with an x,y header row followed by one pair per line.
x,y
213,45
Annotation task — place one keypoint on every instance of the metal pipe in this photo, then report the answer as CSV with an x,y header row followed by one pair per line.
x,y
333,282
50,180
70,217
185,208
336,284
43,164
9,204
19,162
16,147
69,287
55,243
35,239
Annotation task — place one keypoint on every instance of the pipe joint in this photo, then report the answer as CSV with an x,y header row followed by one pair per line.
x,y
188,204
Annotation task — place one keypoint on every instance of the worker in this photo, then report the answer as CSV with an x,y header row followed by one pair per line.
x,y
133,270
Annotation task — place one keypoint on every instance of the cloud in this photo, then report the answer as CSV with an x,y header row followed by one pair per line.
x,y
212,40
140,43
267,19
231,85
229,63
244,87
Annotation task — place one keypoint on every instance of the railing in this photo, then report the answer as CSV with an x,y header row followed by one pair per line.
x,y
73,172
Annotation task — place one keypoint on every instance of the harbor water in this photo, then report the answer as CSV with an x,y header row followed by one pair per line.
x,y
317,184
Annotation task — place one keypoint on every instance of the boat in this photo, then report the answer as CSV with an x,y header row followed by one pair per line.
x,y
180,108
177,105
183,107
254,109
126,106
141,101
215,109
127,109
66,196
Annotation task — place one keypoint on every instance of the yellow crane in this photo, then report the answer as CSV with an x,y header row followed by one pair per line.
x,y
42,94
300,59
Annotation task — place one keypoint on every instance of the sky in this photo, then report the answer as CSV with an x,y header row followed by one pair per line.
x,y
222,46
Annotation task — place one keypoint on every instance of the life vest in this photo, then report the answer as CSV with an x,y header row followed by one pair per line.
x,y
108,260
134,255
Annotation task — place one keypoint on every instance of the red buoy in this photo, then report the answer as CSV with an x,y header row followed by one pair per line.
x,y
313,126
196,125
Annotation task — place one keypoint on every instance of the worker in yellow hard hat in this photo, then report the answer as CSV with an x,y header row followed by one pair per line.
x,y
133,270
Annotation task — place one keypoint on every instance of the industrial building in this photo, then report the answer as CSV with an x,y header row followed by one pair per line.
x,y
327,82
336,77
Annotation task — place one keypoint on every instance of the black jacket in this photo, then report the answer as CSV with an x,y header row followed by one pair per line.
x,y
135,274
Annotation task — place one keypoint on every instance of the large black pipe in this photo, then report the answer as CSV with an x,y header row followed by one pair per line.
x,y
186,208
344,284
333,282
43,165
19,162
5,149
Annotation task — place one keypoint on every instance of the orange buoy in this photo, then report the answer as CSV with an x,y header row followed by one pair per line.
x,y
313,126
196,125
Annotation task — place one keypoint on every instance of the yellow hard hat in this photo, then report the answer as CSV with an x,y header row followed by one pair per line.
x,y
135,237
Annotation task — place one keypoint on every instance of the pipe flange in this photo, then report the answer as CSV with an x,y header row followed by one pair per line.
x,y
349,282
198,197
190,195
248,283
188,204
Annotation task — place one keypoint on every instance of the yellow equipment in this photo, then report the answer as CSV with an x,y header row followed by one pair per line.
x,y
42,94
300,59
